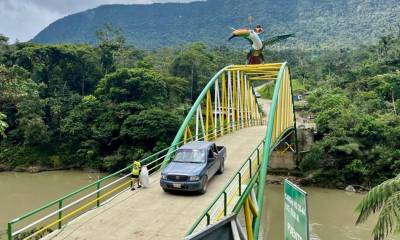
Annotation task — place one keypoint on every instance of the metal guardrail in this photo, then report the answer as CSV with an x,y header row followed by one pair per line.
x,y
225,202
100,191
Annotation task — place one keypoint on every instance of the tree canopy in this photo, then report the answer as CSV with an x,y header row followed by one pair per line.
x,y
99,106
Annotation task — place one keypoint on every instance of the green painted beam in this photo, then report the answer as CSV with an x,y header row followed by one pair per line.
x,y
191,113
260,175
267,150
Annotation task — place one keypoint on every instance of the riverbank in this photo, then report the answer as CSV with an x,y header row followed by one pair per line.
x,y
38,169
29,169
274,178
278,179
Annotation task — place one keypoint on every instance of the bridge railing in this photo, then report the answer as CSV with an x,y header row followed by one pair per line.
x,y
225,202
56,214
281,121
228,100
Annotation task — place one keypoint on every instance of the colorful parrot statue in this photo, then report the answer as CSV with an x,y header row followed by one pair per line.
x,y
255,56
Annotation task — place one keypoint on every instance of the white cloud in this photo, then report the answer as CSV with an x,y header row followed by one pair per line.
x,y
23,19
71,6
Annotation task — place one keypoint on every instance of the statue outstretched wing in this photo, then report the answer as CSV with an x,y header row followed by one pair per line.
x,y
276,39
244,33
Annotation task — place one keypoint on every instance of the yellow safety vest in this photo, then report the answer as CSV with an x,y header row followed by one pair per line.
x,y
136,168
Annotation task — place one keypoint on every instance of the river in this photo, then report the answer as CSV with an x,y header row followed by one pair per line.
x,y
21,192
332,214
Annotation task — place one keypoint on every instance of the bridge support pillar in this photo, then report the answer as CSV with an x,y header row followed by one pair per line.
x,y
248,219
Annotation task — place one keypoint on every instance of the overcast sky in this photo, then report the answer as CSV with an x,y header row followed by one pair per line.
x,y
23,19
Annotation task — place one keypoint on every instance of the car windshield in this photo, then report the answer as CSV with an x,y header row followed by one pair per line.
x,y
190,156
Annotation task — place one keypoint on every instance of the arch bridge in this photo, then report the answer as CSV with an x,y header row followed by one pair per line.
x,y
228,112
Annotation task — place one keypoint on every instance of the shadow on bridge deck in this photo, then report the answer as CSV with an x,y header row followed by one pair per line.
x,y
153,214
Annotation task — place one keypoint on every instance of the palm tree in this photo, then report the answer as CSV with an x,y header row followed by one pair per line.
x,y
386,199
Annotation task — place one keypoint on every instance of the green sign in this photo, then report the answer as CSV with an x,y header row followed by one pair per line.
x,y
296,212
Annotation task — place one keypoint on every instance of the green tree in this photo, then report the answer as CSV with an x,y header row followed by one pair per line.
x,y
354,101
128,57
20,99
385,199
388,86
15,85
150,126
5,49
195,64
110,41
77,131
31,124
62,68
135,84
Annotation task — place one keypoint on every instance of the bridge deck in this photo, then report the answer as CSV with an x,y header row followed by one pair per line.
x,y
153,214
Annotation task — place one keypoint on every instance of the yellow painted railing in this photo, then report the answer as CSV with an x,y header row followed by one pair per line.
x,y
227,100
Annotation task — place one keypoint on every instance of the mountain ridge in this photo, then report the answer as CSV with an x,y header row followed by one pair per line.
x,y
323,23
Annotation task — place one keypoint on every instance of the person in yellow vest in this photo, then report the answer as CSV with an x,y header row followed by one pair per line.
x,y
136,166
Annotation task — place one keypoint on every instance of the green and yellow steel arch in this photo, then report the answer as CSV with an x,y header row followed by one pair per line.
x,y
281,120
226,104
245,190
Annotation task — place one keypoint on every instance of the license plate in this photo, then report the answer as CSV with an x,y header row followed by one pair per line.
x,y
177,185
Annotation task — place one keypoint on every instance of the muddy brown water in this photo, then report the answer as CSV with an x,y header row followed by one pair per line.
x,y
332,213
21,192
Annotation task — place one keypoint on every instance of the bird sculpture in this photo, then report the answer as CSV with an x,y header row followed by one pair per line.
x,y
255,55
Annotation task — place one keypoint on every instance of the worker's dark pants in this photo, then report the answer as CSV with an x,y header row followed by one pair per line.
x,y
135,179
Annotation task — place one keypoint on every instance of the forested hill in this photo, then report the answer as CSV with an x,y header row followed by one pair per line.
x,y
317,23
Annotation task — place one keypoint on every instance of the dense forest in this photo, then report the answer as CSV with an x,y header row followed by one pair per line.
x,y
95,106
104,105
355,98
317,23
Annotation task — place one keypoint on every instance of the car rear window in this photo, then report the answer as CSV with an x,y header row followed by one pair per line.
x,y
190,156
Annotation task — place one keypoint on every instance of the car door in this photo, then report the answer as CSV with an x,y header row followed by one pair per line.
x,y
210,162
217,162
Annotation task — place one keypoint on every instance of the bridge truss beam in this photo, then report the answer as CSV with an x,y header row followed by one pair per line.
x,y
245,190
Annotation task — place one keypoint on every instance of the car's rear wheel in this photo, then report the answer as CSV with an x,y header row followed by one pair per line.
x,y
204,185
221,167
